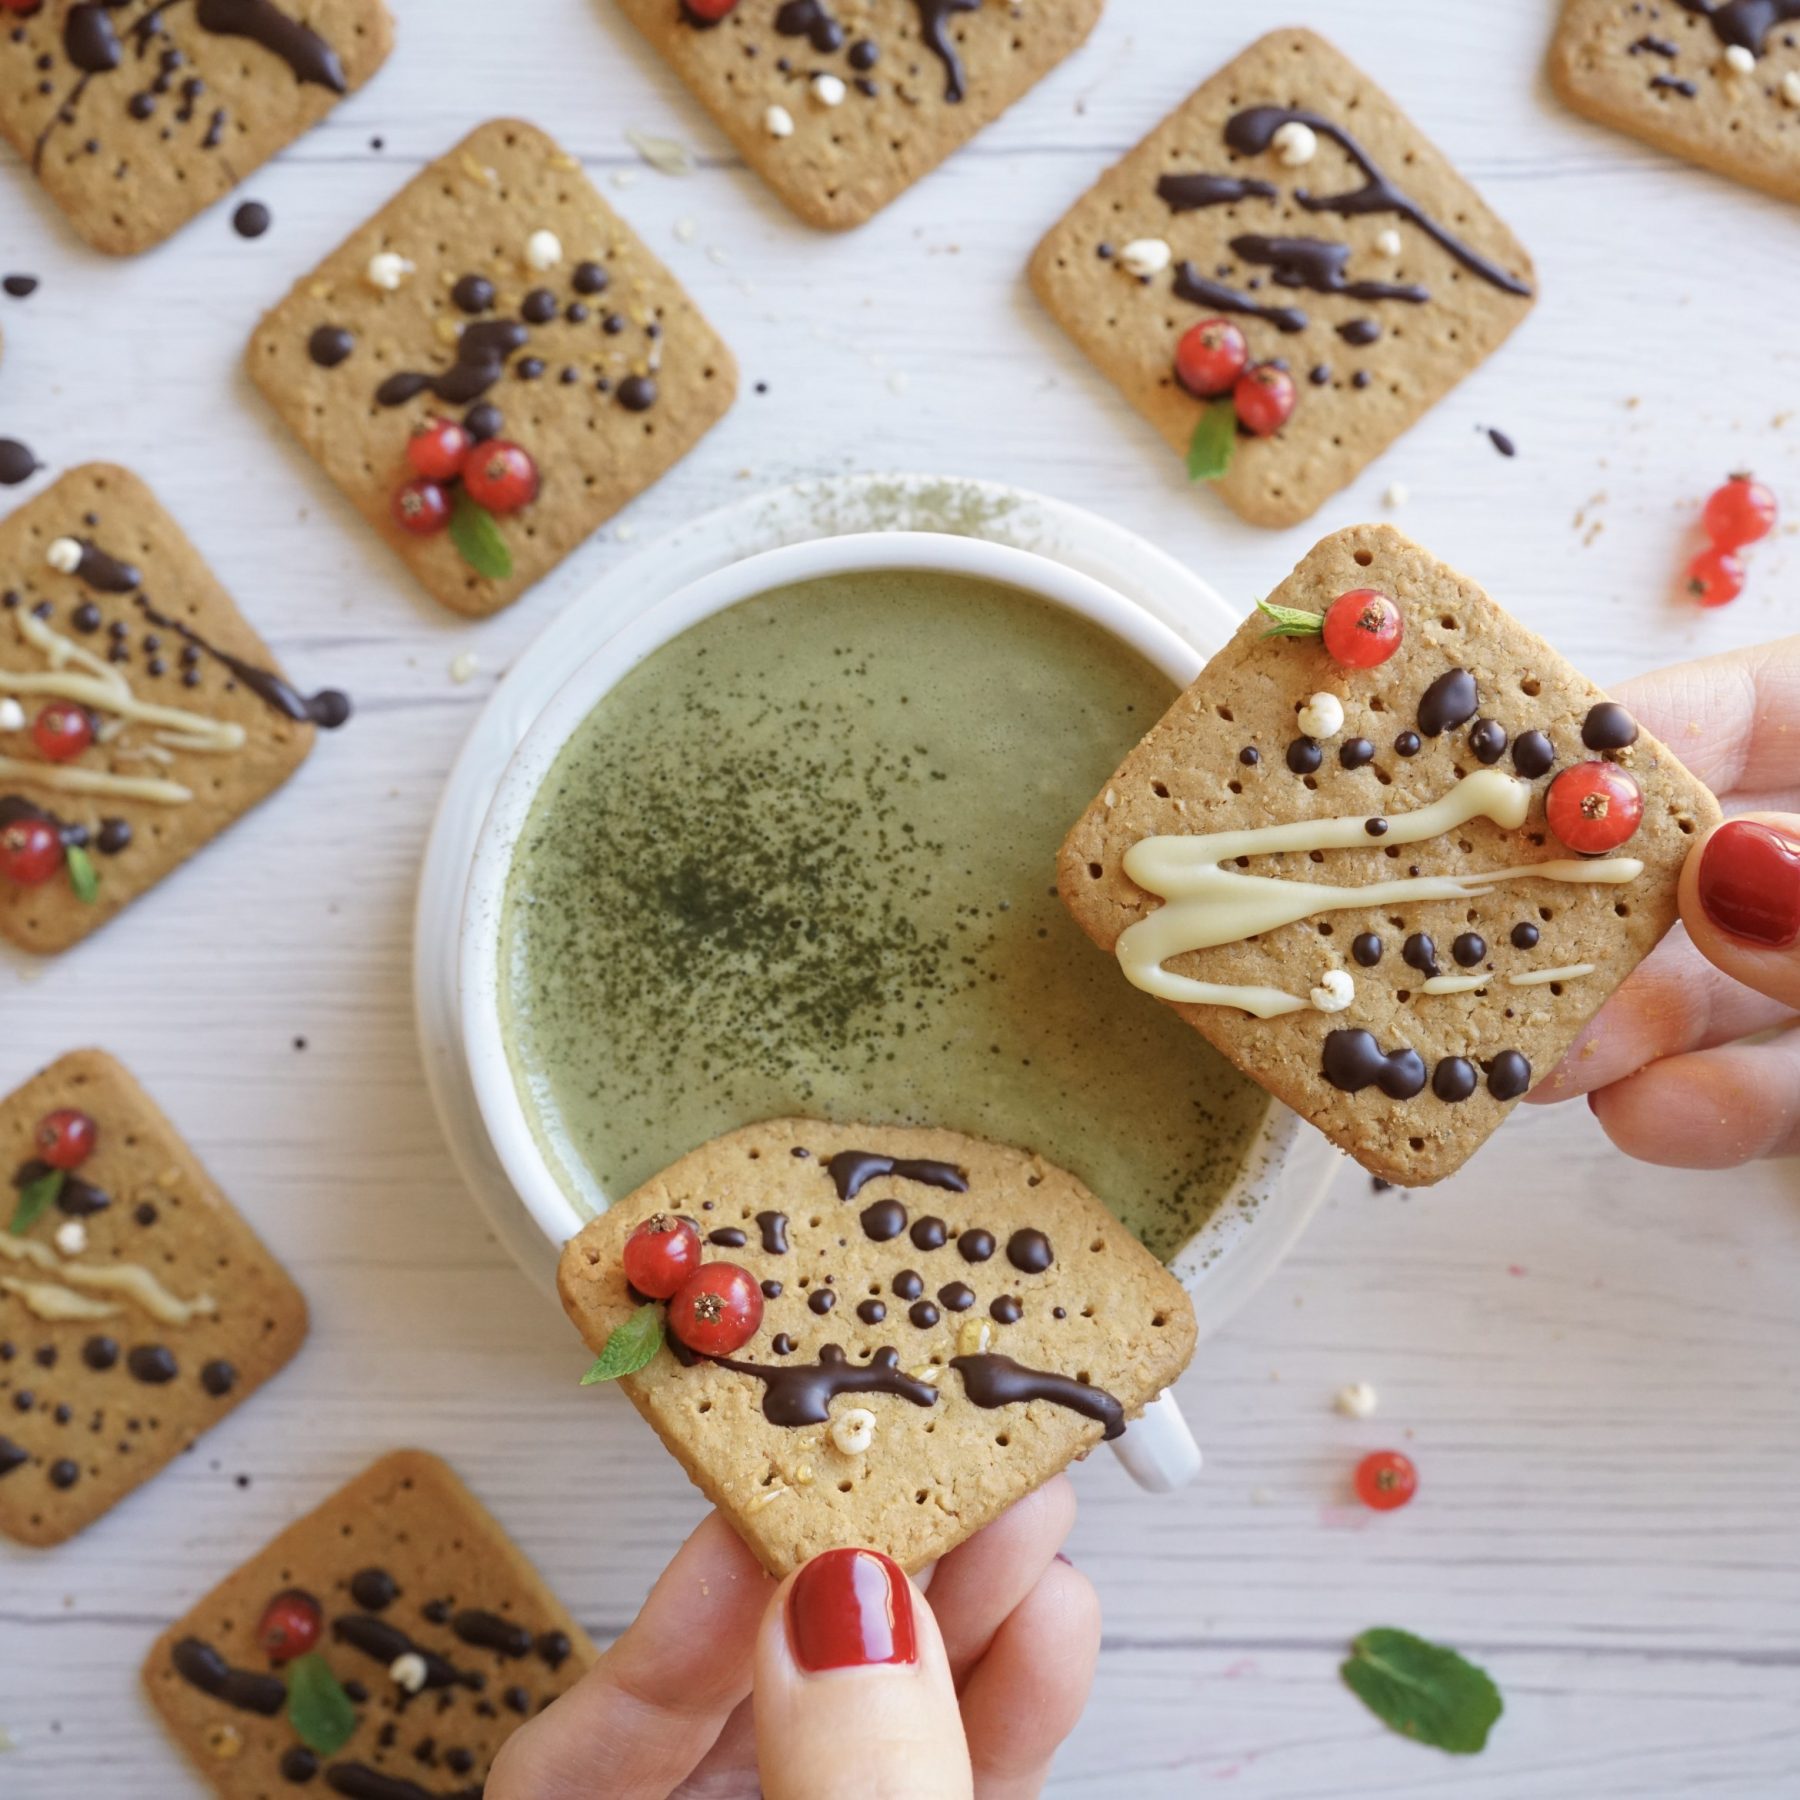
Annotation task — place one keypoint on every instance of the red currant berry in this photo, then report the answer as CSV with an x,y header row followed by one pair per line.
x,y
1715,576
62,730
500,476
290,1625
436,450
20,6
1594,807
65,1139
31,851
1363,628
1264,397
710,12
1210,358
717,1310
1739,513
1385,1480
421,507
661,1254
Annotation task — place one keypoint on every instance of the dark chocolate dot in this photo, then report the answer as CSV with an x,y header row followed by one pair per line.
x,y
1509,1075
539,307
923,1314
1356,753
871,1312
1533,754
883,1220
1408,743
151,1363
252,219
976,1246
473,294
1608,726
218,1378
637,393
1029,1251
929,1234
1249,756
329,345
821,1300
957,1296
483,422
1006,1310
771,1290
909,1284
1453,1079
783,1344
64,1473
1376,827
1469,949
1419,952
1366,948
374,1590
100,1353
1525,935
590,278
1450,701
298,1764
1487,739
1304,756
727,1237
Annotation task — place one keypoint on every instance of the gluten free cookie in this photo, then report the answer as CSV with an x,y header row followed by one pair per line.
x,y
1389,853
840,105
500,312
137,1308
1716,81
137,114
895,1333
1291,199
139,713
384,1646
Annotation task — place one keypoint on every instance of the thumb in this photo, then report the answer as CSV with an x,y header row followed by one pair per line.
x,y
853,1689
1740,900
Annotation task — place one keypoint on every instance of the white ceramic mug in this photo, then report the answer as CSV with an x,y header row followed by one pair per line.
x,y
1283,1173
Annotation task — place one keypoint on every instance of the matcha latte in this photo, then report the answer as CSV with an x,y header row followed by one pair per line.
x,y
800,860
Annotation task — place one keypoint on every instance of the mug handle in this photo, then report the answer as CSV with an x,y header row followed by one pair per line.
x,y
1158,1450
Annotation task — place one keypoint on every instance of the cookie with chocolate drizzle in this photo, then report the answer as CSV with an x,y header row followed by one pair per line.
x,y
403,1562
137,1308
1295,198
1051,1328
1395,944
138,114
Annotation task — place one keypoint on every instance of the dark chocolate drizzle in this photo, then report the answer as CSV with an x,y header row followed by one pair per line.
x,y
1450,701
1353,1061
802,1393
812,20
12,1456
357,1781
481,356
1743,22
1216,296
992,1381
385,1642
105,574
1191,193
1318,264
727,1237
328,709
934,28
1251,131
489,1631
201,1666
17,463
853,1170
75,1197
773,1226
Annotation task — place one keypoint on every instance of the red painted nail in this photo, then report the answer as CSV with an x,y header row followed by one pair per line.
x,y
1750,884
849,1609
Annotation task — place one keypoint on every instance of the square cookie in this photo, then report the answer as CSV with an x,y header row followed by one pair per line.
x,y
946,1324
403,1563
1291,195
137,117
1367,857
841,105
497,288
1717,84
106,606
136,1309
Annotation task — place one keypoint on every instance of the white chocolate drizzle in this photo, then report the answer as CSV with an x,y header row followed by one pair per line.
x,y
131,1280
61,778
1542,977
1455,984
1206,905
57,1305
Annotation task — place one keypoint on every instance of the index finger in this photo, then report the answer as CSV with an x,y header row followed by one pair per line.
x,y
1733,719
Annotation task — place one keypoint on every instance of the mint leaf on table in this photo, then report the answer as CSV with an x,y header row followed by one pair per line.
x,y
1423,1690
1214,440
35,1199
1291,621
82,877
629,1348
473,531
317,1706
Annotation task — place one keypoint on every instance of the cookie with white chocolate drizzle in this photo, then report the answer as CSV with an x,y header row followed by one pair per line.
x,y
1389,853
137,1307
139,714
944,1323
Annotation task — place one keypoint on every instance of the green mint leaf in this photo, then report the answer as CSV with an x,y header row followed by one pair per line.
x,y
1291,621
473,531
1214,439
317,1706
82,877
629,1348
1422,1690
35,1199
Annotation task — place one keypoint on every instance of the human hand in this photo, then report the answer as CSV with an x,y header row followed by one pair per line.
x,y
1002,1659
1661,1063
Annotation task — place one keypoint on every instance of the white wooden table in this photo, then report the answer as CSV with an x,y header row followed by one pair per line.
x,y
1594,1364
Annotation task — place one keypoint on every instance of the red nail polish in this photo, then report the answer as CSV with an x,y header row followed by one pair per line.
x,y
849,1609
1750,884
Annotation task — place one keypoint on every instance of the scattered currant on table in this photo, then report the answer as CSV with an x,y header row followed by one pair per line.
x,y
500,476
661,1254
62,730
421,507
436,450
1386,1479
1210,358
31,851
1739,513
1264,396
717,1310
65,1138
1715,577
1594,807
290,1625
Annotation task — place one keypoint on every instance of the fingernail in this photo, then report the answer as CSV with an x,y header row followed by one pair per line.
x,y
1067,1564
850,1609
1750,884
